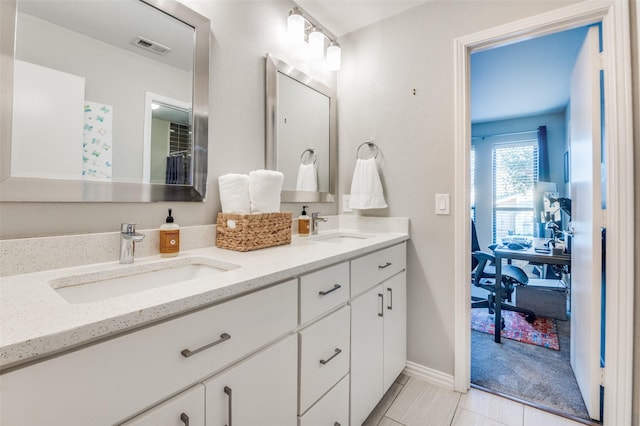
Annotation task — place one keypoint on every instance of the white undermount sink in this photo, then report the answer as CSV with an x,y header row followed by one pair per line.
x,y
341,236
122,280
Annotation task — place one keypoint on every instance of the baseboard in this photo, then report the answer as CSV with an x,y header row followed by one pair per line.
x,y
429,375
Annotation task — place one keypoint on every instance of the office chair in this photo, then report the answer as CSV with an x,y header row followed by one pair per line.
x,y
484,276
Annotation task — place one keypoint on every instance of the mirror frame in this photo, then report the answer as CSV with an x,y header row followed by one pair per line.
x,y
273,67
14,189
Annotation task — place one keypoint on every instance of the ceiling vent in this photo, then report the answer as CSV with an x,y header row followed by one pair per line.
x,y
151,46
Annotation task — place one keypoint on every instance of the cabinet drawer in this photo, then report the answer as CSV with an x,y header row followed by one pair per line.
x,y
332,409
127,374
374,268
322,290
186,409
324,356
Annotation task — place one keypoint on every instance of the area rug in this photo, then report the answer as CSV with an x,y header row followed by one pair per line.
x,y
542,332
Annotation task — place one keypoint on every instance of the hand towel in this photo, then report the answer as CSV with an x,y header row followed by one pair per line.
x,y
264,191
366,187
307,178
234,193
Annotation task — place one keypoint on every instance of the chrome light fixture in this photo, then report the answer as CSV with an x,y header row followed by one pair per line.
x,y
301,28
295,26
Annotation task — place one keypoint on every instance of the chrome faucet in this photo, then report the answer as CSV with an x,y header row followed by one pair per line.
x,y
128,239
315,218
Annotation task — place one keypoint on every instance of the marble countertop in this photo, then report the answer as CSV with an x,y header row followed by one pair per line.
x,y
35,321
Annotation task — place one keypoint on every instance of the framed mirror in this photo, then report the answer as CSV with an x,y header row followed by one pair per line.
x,y
104,101
301,137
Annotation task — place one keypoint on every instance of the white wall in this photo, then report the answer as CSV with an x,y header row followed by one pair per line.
x,y
556,141
381,65
242,33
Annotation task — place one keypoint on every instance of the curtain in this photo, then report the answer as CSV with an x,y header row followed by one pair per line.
x,y
543,155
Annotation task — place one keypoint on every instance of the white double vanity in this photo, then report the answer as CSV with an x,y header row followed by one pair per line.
x,y
311,333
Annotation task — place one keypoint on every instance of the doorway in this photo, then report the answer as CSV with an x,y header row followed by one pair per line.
x,y
618,171
520,120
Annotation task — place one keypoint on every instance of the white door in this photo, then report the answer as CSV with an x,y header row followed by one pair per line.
x,y
261,390
587,219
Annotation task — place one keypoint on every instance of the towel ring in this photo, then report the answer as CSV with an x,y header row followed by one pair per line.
x,y
372,146
312,154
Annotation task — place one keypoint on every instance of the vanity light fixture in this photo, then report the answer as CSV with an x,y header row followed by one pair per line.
x,y
301,28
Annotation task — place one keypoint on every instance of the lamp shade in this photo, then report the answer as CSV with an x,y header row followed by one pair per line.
x,y
316,44
295,26
333,57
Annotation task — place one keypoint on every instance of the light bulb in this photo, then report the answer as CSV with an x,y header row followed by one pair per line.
x,y
295,26
316,44
333,57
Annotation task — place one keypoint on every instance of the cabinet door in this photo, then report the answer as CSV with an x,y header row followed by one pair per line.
x,y
332,409
395,328
185,409
261,390
366,353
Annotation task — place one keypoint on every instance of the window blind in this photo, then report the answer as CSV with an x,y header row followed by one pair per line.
x,y
515,171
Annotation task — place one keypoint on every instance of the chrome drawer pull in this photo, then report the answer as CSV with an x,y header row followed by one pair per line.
x,y
185,419
326,361
223,338
386,265
381,312
227,390
390,301
324,293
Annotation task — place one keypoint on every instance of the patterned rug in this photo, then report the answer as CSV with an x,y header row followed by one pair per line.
x,y
543,331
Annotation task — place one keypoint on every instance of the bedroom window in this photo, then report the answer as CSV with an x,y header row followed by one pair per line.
x,y
515,171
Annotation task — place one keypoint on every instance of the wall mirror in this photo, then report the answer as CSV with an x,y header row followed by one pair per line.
x,y
301,133
110,101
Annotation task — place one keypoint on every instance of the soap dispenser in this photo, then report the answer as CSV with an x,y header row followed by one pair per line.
x,y
169,238
304,223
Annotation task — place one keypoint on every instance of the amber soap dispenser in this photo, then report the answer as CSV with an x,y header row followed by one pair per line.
x,y
169,238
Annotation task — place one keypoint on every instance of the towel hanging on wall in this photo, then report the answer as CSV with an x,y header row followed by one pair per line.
x,y
366,187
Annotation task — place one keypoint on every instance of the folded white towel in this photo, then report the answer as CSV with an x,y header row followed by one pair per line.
x,y
307,178
366,188
234,193
264,190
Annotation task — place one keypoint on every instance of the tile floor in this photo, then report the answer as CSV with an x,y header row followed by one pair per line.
x,y
412,402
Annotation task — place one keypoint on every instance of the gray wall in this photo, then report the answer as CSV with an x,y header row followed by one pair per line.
x,y
381,65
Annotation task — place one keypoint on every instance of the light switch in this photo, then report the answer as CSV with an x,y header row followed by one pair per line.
x,y
442,203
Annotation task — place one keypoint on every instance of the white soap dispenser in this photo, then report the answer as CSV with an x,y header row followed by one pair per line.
x,y
304,223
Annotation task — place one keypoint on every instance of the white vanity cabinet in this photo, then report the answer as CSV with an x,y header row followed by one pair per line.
x,y
261,390
110,381
185,409
378,327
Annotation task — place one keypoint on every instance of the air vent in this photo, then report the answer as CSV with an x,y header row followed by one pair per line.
x,y
151,46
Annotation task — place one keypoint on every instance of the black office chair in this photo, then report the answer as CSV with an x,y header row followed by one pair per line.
x,y
484,276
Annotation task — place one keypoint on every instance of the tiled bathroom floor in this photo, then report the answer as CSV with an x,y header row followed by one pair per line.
x,y
412,402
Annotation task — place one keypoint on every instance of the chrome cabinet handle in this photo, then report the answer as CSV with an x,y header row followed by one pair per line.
x,y
386,265
227,390
223,338
326,361
381,312
185,419
390,301
324,293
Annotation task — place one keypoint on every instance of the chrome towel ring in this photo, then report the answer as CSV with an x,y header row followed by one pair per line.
x,y
372,148
312,154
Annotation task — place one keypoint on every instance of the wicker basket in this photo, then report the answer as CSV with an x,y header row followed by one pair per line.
x,y
245,232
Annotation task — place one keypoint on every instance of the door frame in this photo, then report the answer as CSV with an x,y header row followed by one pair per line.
x,y
614,16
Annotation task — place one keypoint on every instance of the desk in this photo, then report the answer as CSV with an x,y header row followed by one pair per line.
x,y
528,254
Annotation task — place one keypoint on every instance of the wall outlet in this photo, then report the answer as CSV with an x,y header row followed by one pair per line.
x,y
346,201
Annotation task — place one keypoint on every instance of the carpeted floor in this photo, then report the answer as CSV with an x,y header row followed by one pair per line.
x,y
532,373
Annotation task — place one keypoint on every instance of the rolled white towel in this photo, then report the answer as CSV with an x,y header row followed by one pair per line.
x,y
234,193
366,187
307,178
264,191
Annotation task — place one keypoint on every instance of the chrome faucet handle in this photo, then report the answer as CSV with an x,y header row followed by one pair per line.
x,y
128,228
